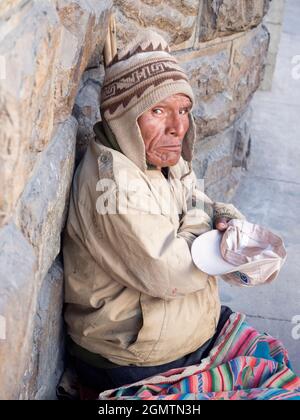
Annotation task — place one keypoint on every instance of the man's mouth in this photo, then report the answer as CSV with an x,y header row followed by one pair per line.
x,y
170,146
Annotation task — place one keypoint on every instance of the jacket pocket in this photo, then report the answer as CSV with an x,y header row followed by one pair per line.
x,y
153,316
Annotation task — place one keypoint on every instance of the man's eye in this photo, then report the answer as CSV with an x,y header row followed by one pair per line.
x,y
184,111
157,111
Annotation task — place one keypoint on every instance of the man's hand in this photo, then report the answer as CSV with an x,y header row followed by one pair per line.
x,y
222,223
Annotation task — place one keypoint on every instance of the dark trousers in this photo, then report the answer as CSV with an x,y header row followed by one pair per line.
x,y
108,378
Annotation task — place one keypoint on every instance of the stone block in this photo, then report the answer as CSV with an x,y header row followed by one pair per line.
x,y
40,212
18,265
224,77
248,63
47,355
220,159
174,20
224,17
225,189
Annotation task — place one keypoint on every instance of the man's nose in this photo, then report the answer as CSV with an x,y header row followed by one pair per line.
x,y
175,126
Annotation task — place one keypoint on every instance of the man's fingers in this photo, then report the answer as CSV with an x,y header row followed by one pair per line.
x,y
221,224
221,227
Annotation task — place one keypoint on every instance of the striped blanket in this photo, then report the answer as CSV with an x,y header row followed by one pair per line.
x,y
243,365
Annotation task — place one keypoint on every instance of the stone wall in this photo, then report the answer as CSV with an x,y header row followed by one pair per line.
x,y
50,81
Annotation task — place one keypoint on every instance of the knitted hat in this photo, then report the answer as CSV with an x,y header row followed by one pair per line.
x,y
139,77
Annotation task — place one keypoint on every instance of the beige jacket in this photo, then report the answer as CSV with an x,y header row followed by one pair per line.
x,y
133,294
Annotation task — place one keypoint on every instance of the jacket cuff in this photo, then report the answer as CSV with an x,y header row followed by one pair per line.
x,y
226,210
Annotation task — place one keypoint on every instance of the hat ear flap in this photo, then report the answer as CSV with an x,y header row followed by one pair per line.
x,y
189,140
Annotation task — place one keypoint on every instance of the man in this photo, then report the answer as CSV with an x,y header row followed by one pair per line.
x,y
136,303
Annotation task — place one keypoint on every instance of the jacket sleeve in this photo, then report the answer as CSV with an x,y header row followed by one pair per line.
x,y
142,251
197,214
200,212
226,210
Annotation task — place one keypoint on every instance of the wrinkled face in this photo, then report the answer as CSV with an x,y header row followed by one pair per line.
x,y
163,128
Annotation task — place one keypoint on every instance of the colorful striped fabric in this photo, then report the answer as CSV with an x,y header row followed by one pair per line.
x,y
243,365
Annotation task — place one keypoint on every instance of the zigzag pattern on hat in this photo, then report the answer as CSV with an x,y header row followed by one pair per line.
x,y
139,49
125,101
121,90
146,41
